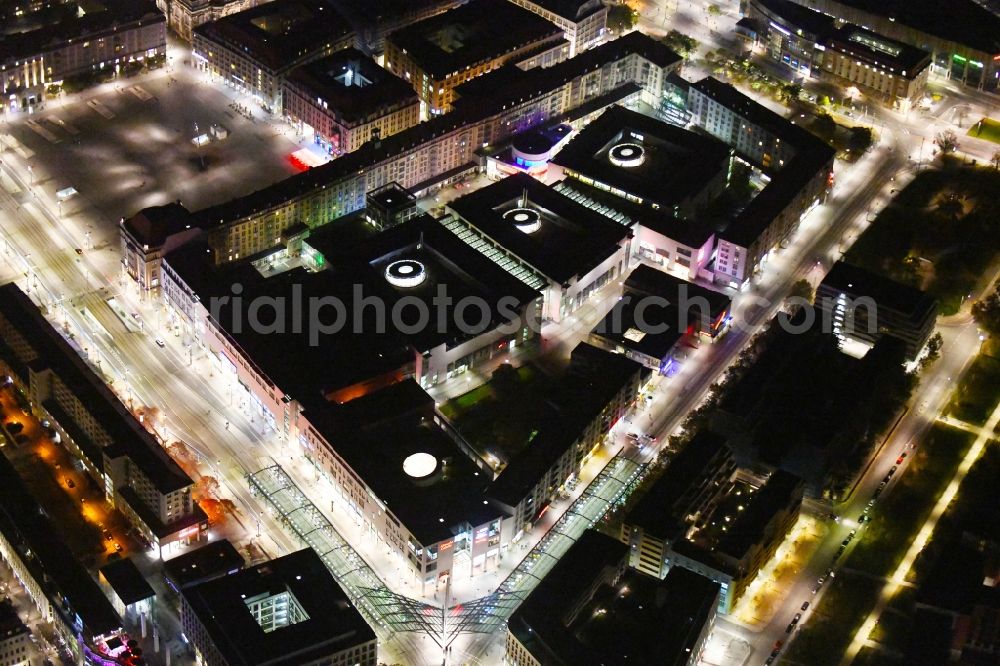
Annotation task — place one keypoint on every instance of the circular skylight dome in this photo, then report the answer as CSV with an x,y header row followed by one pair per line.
x,y
405,273
627,155
527,220
420,465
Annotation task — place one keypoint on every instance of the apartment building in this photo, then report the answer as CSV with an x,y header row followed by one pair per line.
x,y
440,53
16,648
183,16
346,100
77,38
420,159
584,22
137,475
255,49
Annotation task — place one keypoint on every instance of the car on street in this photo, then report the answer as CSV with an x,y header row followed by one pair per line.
x,y
70,483
843,544
108,536
118,547
862,518
160,343
777,645
886,479
805,605
892,470
852,533
789,628
899,460
798,616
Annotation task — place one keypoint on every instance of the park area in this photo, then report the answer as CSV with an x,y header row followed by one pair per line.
x,y
987,128
894,522
939,234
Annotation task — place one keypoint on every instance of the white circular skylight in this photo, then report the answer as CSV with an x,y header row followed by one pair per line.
x,y
405,273
420,465
627,155
527,220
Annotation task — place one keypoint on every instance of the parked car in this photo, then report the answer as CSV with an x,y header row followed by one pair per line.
x,y
805,605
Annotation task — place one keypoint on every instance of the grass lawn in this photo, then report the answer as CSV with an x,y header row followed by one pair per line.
x,y
987,128
825,638
977,393
900,513
939,233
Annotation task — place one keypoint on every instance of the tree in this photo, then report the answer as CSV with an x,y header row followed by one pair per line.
x,y
791,91
946,141
714,10
802,289
681,43
824,126
986,312
861,139
621,17
995,160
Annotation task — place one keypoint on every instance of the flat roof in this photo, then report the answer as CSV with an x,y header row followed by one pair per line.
x,y
127,581
377,433
658,162
643,620
127,436
572,10
470,34
530,83
648,280
218,558
858,282
10,621
332,622
571,241
653,334
280,33
593,378
961,21
24,523
797,17
352,85
781,489
653,512
152,226
901,59
105,16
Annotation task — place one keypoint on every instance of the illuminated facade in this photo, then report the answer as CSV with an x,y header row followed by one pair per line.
x,y
584,22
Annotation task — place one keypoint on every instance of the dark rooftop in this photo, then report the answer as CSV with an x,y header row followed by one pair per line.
x,y
651,281
125,434
574,10
780,490
654,334
592,379
886,293
571,241
960,21
376,433
471,34
332,623
352,85
10,621
674,165
106,17
901,59
655,511
473,110
643,620
151,226
281,33
127,581
27,527
798,17
218,558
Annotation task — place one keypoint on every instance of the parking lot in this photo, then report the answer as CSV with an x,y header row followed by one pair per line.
x,y
129,144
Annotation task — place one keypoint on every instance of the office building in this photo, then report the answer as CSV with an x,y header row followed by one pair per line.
x,y
346,99
590,609
54,580
442,52
705,312
571,250
124,458
685,492
255,49
289,611
865,307
812,44
420,159
77,39
962,35
800,167
16,648
733,556
128,590
584,22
